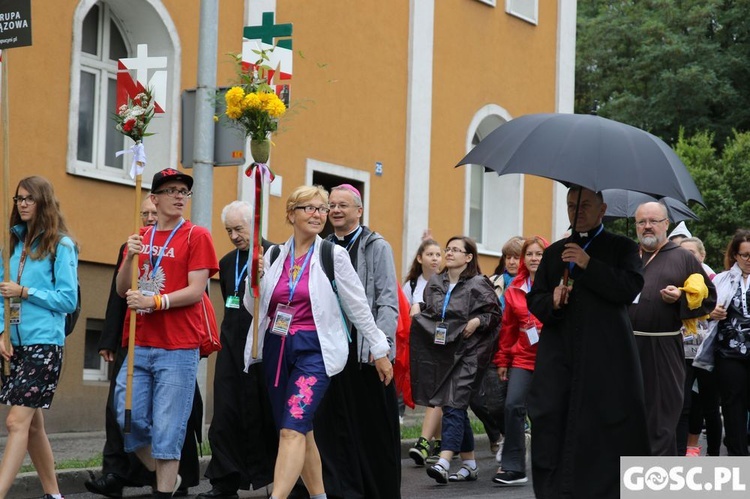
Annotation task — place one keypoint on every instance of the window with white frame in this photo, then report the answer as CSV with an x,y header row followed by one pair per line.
x,y
104,31
493,3
528,10
494,203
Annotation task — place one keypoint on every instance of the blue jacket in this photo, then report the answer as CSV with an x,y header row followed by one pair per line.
x,y
53,292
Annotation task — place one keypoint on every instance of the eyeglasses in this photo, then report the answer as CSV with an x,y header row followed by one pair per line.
x,y
172,192
744,256
643,223
146,214
310,209
454,250
340,206
28,199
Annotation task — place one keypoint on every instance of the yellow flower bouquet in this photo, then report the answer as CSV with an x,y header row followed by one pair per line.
x,y
252,105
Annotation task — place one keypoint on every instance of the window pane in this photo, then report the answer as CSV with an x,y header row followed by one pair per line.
x,y
91,358
114,138
117,48
476,202
90,33
86,99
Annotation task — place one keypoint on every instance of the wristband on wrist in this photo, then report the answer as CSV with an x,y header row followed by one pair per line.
x,y
165,302
21,295
157,302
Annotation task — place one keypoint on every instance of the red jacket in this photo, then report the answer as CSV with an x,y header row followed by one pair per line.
x,y
514,349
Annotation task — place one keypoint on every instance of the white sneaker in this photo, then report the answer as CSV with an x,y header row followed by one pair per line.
x,y
499,453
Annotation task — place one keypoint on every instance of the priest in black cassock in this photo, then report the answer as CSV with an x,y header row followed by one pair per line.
x,y
242,433
586,401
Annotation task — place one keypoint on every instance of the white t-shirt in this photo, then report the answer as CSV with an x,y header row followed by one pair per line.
x,y
418,296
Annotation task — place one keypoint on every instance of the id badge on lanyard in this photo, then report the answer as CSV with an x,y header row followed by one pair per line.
x,y
282,321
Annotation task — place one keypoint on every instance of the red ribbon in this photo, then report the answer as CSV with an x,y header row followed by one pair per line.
x,y
260,173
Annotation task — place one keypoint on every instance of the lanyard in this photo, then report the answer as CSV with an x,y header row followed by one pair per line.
x,y
238,273
743,295
601,228
294,280
640,253
356,235
446,300
155,266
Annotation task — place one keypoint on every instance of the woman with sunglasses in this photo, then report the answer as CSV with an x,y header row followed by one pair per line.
x,y
302,337
452,341
42,288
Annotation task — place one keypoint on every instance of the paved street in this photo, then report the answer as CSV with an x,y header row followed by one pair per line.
x,y
415,484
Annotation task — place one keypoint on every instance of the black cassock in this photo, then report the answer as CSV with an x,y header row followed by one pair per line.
x,y
586,401
242,435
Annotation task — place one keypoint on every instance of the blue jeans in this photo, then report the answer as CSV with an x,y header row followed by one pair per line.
x,y
457,433
163,389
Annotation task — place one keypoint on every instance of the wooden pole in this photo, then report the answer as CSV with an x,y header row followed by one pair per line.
x,y
133,315
6,201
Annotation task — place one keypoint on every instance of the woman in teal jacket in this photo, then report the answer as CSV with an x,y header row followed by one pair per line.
x,y
42,288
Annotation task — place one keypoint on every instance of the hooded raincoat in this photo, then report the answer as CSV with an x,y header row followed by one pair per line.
x,y
445,375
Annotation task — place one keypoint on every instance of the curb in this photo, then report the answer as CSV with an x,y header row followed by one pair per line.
x,y
27,485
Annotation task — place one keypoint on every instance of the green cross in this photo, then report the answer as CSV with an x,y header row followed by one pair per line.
x,y
267,31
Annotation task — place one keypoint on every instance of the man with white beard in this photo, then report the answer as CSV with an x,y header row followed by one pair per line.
x,y
657,315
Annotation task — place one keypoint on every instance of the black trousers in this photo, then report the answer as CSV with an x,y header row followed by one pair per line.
x,y
733,376
698,407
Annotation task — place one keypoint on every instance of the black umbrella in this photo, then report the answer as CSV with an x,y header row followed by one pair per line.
x,y
622,204
587,150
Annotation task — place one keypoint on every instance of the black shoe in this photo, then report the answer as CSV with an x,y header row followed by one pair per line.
x,y
109,485
510,477
181,492
217,493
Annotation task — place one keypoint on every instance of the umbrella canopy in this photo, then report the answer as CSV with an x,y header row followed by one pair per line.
x,y
622,204
586,150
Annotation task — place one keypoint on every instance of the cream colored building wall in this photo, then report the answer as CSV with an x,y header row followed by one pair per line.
x,y
350,110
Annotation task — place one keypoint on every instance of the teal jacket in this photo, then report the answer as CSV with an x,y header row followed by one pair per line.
x,y
52,284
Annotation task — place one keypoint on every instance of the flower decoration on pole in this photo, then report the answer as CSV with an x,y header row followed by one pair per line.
x,y
254,107
132,120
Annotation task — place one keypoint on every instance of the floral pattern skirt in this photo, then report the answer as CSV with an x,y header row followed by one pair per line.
x,y
34,373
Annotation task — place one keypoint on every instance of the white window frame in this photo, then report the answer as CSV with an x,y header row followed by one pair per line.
x,y
528,10
493,204
491,3
146,21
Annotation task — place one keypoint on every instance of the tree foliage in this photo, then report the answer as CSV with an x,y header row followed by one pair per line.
x,y
662,65
722,177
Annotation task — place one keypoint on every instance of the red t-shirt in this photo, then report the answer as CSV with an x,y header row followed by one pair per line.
x,y
191,248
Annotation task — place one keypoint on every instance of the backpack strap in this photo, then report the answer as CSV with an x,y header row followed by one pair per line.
x,y
413,285
326,261
275,251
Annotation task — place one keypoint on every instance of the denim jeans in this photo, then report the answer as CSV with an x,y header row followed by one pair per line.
x,y
163,389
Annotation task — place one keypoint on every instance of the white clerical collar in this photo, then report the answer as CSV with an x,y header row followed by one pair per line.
x,y
343,238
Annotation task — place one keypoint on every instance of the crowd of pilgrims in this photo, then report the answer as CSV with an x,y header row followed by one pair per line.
x,y
343,348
